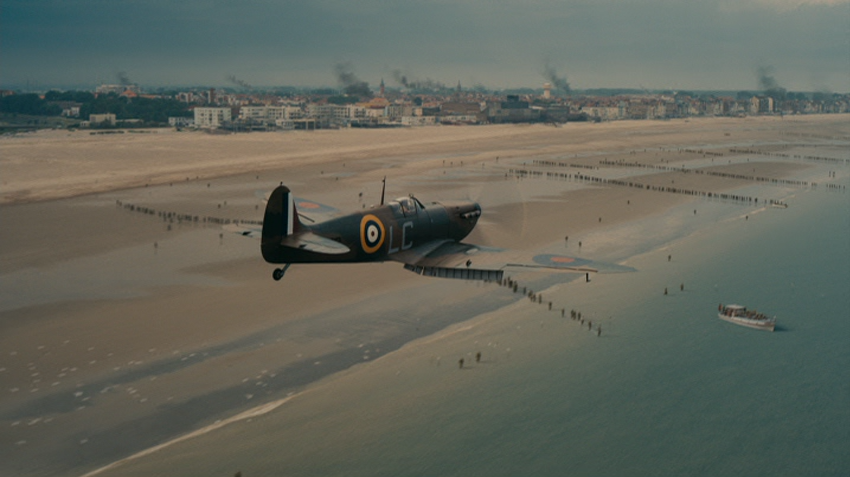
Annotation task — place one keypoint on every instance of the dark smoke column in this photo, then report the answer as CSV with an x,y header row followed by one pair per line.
x,y
351,84
559,83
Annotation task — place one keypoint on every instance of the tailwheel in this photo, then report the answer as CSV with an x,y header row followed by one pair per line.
x,y
277,274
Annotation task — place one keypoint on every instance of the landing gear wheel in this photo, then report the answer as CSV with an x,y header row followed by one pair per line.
x,y
277,274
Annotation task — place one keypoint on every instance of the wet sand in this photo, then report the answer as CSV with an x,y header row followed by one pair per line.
x,y
121,330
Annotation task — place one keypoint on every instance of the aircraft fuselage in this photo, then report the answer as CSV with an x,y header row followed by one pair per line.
x,y
371,235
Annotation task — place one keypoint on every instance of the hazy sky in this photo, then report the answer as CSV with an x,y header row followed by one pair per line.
x,y
684,44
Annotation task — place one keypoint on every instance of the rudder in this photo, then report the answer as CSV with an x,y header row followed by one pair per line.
x,y
279,221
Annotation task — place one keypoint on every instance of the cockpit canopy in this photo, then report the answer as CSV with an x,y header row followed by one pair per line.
x,y
409,205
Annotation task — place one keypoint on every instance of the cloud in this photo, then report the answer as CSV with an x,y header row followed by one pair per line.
x,y
605,43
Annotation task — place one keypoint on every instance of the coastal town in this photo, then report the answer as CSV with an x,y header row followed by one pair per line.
x,y
242,108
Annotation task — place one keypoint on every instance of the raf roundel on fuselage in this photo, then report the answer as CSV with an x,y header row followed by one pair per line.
x,y
372,233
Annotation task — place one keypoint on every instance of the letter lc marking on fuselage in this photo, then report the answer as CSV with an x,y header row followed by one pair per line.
x,y
404,243
371,233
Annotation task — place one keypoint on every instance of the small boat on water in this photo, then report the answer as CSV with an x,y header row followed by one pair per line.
x,y
740,315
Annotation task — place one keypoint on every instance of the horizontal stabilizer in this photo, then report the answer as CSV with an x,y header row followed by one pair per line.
x,y
253,232
314,243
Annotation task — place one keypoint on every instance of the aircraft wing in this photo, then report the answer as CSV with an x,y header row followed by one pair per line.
x,y
314,212
448,259
311,211
451,259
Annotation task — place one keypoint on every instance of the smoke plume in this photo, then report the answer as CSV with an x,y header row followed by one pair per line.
x,y
123,79
551,74
351,84
768,84
238,82
416,84
400,78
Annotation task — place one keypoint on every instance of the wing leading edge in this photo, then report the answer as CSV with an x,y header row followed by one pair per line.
x,y
449,259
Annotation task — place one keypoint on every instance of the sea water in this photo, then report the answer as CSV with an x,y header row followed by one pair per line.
x,y
668,388
683,393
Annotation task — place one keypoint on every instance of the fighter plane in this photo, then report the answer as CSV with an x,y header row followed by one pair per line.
x,y
426,239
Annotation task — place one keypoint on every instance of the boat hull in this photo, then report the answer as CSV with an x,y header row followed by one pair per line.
x,y
754,324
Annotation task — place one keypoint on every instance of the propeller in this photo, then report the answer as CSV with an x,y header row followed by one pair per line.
x,y
504,215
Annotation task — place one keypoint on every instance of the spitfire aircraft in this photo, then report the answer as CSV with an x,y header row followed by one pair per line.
x,y
426,239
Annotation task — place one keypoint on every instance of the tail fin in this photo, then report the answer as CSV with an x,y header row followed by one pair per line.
x,y
280,221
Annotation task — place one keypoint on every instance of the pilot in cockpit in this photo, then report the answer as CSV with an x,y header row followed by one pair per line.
x,y
408,207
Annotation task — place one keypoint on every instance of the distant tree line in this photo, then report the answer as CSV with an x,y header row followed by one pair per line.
x,y
30,104
75,96
149,110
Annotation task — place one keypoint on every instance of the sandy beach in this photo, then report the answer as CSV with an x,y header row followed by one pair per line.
x,y
58,164
121,331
